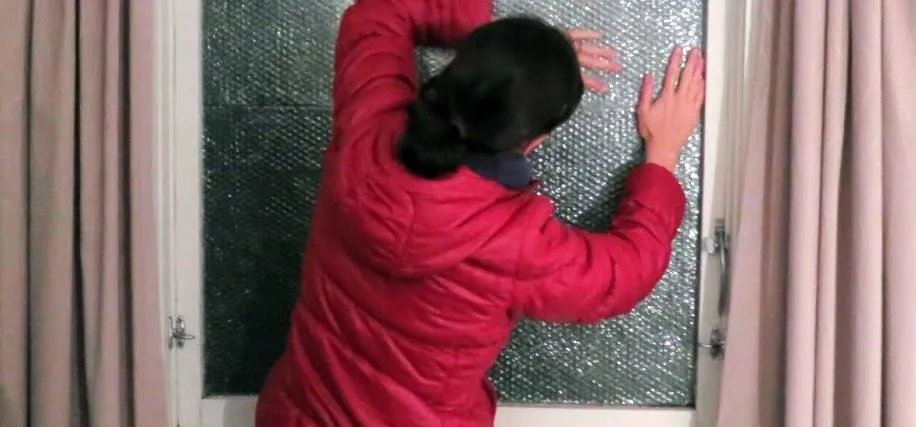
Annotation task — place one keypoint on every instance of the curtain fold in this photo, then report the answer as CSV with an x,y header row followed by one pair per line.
x,y
82,341
14,30
820,331
899,189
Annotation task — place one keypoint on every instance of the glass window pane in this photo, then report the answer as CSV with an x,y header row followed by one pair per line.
x,y
267,86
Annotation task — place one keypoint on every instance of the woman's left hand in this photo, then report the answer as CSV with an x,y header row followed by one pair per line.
x,y
593,55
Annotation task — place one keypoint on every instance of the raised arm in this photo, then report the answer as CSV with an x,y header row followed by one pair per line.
x,y
568,275
375,72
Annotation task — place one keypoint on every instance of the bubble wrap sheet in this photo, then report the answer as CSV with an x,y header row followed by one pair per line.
x,y
267,76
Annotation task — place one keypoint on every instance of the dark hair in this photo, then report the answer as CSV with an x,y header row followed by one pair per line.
x,y
511,81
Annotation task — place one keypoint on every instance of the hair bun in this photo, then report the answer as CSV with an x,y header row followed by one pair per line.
x,y
432,145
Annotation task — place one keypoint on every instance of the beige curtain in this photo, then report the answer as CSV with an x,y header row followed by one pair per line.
x,y
822,330
81,339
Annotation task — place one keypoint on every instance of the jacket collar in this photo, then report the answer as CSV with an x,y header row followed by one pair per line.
x,y
512,171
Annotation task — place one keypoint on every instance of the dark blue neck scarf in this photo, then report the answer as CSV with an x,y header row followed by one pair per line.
x,y
510,170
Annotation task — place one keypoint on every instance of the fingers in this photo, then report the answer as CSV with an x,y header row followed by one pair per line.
x,y
699,91
645,93
693,78
673,71
597,50
599,58
581,34
598,63
700,94
593,84
688,80
692,85
594,56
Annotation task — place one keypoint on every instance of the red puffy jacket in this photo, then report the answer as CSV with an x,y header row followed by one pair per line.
x,y
410,288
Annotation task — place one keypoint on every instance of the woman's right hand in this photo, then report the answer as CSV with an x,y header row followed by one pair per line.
x,y
665,123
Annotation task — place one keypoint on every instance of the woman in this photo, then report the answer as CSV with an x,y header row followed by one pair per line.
x,y
428,245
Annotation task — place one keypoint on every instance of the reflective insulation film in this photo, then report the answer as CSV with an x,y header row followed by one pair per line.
x,y
267,75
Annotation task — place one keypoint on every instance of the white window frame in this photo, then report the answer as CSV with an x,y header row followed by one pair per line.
x,y
179,129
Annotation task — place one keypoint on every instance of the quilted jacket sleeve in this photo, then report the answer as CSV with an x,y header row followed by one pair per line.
x,y
375,72
572,276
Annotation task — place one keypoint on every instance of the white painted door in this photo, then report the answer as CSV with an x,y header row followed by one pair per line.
x,y
179,122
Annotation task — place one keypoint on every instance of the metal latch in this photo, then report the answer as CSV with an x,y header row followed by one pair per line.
x,y
716,345
177,333
719,244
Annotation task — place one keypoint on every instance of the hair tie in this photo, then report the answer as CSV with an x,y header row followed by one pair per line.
x,y
457,123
